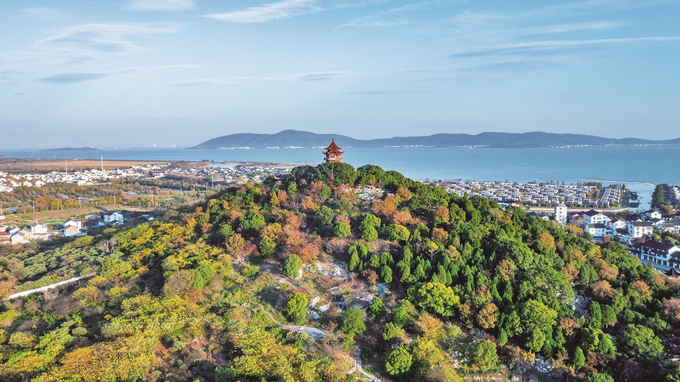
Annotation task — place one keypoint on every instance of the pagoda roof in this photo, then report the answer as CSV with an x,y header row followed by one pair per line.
x,y
333,149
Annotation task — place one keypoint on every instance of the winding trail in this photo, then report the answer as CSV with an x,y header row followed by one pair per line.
x,y
51,286
357,359
313,333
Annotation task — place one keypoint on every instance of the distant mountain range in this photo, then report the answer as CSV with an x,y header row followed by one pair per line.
x,y
304,139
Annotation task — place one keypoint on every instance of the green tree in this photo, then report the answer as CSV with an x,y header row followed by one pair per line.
x,y
297,307
354,261
608,316
485,356
353,321
292,266
324,215
377,308
640,342
342,229
250,222
202,274
579,359
398,232
435,297
386,274
392,331
369,234
116,268
398,361
599,377
536,317
502,337
595,319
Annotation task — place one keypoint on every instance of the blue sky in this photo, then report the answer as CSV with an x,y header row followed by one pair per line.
x,y
126,73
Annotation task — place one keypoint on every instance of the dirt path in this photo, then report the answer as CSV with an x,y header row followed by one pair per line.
x,y
357,359
42,289
313,333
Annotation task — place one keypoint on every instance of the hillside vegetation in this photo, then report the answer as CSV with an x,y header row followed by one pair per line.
x,y
209,293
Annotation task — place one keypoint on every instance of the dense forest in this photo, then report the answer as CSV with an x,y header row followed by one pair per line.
x,y
458,289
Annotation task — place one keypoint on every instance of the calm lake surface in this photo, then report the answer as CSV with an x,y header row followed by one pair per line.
x,y
639,167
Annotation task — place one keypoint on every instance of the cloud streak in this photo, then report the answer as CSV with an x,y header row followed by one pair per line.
x,y
269,12
211,81
75,77
559,45
160,5
106,38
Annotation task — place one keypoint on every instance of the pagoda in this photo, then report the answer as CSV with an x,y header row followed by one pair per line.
x,y
333,153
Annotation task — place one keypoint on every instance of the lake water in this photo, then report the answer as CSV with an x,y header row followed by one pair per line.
x,y
640,167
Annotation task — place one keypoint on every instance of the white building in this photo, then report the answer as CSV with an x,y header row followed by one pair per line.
x,y
594,217
114,218
561,213
73,228
639,229
662,255
38,229
597,230
651,214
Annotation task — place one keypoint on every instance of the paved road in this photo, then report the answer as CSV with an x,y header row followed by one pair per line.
x,y
361,370
27,292
313,333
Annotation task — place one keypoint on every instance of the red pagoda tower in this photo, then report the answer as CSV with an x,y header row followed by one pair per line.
x,y
333,153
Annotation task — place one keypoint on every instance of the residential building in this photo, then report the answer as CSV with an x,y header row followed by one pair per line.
x,y
114,218
5,238
73,228
651,214
594,217
597,230
662,255
561,213
638,229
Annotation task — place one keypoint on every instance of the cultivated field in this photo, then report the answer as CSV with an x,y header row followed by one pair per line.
x,y
11,164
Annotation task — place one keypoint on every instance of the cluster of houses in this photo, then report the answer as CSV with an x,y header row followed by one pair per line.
x,y
8,182
634,231
70,228
539,193
224,173
600,225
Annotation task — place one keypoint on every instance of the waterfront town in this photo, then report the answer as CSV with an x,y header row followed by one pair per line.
x,y
570,202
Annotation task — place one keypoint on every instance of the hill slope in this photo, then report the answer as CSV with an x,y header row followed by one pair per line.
x,y
294,138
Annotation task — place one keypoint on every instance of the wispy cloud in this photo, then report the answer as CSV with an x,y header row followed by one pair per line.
x,y
373,23
568,28
212,81
376,20
43,13
75,77
312,76
269,12
161,5
559,45
320,76
107,38
70,78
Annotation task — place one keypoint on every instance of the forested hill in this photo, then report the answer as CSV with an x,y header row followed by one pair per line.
x,y
294,138
209,293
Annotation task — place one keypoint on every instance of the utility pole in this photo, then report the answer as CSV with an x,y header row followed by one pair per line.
x,y
102,163
33,207
66,162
